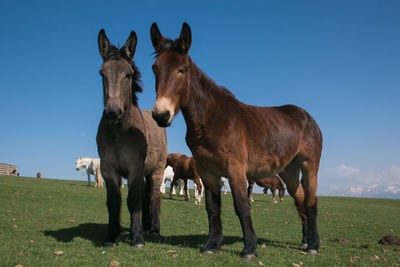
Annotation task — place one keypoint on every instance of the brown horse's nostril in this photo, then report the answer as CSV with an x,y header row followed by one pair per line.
x,y
161,118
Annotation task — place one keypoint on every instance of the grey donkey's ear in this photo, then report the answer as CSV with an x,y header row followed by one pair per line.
x,y
104,44
156,36
185,39
130,45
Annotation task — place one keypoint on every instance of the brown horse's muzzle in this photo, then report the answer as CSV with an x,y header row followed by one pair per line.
x,y
163,112
162,119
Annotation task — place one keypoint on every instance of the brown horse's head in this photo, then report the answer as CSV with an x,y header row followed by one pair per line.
x,y
171,70
121,78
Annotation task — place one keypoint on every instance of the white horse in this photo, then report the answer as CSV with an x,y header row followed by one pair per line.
x,y
168,177
224,184
92,166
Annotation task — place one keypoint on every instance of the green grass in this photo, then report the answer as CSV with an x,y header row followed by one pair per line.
x,y
41,216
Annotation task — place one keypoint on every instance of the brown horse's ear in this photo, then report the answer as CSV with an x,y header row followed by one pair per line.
x,y
156,36
104,44
185,39
130,45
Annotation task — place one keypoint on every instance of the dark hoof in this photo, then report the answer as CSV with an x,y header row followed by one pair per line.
x,y
109,244
312,251
155,234
209,251
249,257
112,243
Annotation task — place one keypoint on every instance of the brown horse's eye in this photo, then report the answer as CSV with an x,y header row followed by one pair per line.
x,y
182,70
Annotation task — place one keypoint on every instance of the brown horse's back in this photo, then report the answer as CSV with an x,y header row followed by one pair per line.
x,y
276,135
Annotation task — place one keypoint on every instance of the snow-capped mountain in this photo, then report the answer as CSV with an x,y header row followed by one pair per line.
x,y
373,191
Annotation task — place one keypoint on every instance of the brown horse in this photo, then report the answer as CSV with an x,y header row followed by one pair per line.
x,y
272,183
185,168
130,145
229,138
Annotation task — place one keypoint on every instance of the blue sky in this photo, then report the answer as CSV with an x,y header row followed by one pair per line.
x,y
340,60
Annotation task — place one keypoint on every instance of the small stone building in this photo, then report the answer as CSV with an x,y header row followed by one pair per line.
x,y
7,169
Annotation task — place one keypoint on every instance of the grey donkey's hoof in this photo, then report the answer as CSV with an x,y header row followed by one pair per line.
x,y
139,246
249,257
209,251
312,251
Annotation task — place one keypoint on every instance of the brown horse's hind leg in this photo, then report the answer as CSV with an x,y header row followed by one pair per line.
x,y
112,180
250,191
213,206
237,182
309,183
291,178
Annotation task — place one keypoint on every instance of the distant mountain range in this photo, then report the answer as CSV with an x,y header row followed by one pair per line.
x,y
373,191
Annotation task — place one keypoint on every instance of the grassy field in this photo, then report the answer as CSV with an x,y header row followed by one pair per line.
x,y
41,216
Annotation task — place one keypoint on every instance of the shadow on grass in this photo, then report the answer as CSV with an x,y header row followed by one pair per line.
x,y
97,232
93,232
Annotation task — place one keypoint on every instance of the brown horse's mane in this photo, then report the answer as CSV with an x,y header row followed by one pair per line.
x,y
207,82
116,53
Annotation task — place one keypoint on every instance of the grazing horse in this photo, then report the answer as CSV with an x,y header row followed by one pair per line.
x,y
130,145
272,183
92,167
185,168
229,138
169,177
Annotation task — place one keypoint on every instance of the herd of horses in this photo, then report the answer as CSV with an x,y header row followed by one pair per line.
x,y
227,138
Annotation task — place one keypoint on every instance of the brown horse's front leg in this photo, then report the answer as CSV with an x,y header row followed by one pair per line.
x,y
273,190
112,179
213,206
250,191
237,181
135,191
173,183
185,188
198,191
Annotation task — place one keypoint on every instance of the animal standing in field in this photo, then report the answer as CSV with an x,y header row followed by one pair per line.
x,y
224,184
169,177
185,168
130,145
38,175
272,183
92,167
229,138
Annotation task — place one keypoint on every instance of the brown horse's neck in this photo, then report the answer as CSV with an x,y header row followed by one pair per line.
x,y
205,96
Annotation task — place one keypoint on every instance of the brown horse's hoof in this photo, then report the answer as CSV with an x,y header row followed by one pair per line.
x,y
312,251
249,257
